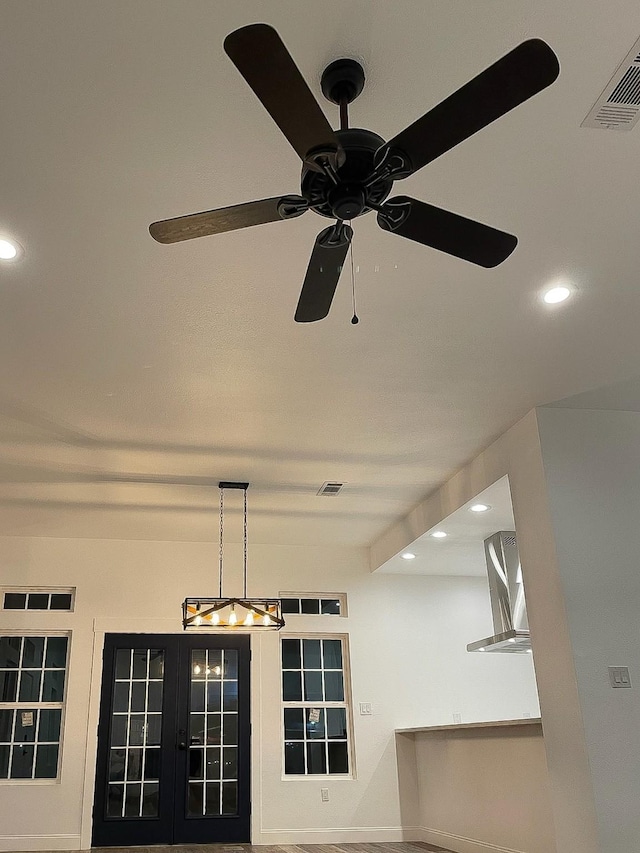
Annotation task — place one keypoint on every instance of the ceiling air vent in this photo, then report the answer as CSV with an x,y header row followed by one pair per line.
x,y
618,107
330,489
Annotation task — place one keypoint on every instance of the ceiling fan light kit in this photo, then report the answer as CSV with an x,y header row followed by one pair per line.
x,y
350,172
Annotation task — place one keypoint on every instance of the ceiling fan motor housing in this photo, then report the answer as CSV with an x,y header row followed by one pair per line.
x,y
350,196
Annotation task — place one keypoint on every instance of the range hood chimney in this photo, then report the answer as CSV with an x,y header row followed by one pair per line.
x,y
510,623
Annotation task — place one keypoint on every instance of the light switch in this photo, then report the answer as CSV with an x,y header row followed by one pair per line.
x,y
619,676
365,708
457,718
324,795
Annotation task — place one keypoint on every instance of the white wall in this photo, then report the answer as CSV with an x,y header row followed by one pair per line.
x,y
592,467
407,638
493,795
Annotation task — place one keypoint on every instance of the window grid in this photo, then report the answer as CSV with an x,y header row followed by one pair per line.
x,y
30,743
140,783
326,709
58,599
220,667
313,604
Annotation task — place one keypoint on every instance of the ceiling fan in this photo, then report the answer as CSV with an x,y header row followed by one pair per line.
x,y
349,172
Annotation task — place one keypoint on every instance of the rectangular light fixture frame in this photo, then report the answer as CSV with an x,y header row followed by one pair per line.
x,y
215,614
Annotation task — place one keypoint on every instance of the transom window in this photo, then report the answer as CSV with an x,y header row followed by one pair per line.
x,y
32,682
316,712
54,598
313,604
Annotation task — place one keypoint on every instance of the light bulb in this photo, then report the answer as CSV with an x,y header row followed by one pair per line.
x,y
217,670
198,619
215,618
197,669
556,294
266,619
8,250
232,616
208,670
249,618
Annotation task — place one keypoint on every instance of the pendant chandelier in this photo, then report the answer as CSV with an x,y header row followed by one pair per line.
x,y
232,614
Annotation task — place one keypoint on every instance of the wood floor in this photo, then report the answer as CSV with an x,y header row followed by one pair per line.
x,y
392,847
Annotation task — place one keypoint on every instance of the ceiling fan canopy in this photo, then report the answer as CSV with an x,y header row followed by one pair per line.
x,y
349,172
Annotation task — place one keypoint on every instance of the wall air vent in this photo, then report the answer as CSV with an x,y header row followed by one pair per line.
x,y
330,489
618,107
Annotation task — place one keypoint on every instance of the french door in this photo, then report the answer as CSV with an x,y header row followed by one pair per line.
x,y
173,763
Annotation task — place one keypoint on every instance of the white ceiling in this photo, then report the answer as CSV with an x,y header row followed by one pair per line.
x,y
133,376
462,551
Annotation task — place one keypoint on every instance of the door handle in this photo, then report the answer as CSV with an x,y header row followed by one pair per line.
x,y
182,745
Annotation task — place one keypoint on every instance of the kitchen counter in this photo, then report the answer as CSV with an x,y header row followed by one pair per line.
x,y
490,724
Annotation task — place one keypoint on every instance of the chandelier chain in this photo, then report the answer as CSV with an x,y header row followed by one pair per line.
x,y
221,536
244,554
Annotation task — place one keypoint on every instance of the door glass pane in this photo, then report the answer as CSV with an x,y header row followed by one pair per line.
x,y
229,798
132,800
134,753
213,723
150,799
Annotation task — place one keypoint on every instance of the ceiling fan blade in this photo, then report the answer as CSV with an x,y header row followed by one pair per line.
x,y
522,73
448,232
228,218
261,57
323,272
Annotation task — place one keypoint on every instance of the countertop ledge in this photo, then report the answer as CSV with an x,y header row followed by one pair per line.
x,y
489,724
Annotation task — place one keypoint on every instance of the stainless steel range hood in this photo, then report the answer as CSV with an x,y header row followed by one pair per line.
x,y
510,623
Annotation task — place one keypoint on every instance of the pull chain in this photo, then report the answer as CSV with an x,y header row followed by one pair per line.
x,y
221,535
355,319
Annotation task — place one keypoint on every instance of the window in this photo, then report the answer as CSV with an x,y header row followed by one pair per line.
x,y
32,681
315,707
313,604
54,598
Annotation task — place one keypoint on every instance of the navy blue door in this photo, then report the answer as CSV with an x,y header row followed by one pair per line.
x,y
173,762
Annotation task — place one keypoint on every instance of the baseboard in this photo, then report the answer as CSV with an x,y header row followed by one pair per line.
x,y
39,842
345,835
455,843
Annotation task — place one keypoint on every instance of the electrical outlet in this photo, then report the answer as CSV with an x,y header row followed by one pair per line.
x,y
365,708
526,715
457,718
324,795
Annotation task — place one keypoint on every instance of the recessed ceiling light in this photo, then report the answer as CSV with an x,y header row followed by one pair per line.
x,y
480,508
556,294
9,249
439,534
408,556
